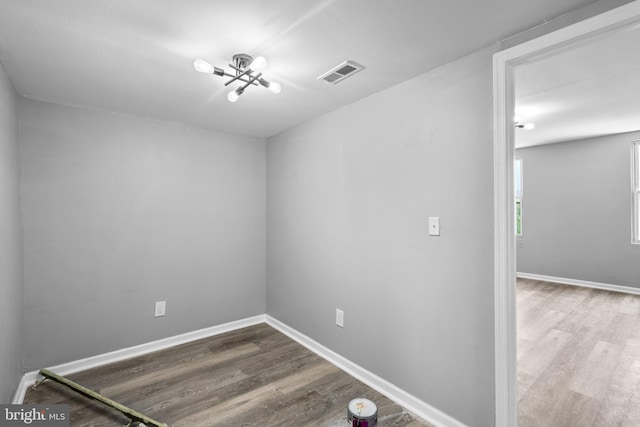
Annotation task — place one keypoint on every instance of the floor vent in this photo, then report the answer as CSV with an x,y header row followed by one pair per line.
x,y
341,72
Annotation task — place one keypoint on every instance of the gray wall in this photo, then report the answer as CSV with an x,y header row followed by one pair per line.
x,y
10,244
120,212
349,196
577,211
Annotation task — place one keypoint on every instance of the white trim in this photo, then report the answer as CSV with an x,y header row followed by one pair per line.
x,y
408,401
30,378
583,283
504,245
504,250
519,196
635,192
26,381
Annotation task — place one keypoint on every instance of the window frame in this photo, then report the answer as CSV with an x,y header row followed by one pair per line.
x,y
518,181
635,192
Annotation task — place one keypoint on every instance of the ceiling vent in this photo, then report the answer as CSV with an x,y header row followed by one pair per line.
x,y
341,72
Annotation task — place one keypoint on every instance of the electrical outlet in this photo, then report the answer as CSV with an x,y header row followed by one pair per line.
x,y
340,318
161,307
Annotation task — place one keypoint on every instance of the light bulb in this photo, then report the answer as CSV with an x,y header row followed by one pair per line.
x,y
275,87
258,64
529,126
203,66
233,96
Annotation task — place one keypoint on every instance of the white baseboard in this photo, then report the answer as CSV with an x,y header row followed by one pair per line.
x,y
30,378
412,403
585,283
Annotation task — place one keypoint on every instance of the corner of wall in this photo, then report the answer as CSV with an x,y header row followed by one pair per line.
x,y
11,307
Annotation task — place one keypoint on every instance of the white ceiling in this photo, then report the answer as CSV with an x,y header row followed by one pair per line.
x,y
582,91
135,57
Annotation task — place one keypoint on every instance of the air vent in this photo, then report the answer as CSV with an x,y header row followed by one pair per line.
x,y
341,72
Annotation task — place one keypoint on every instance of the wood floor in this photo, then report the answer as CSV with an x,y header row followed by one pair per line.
x,y
578,356
251,377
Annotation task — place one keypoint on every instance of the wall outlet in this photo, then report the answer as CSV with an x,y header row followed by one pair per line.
x,y
161,307
340,318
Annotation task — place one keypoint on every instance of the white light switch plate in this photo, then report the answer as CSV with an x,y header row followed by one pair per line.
x,y
160,308
340,318
434,226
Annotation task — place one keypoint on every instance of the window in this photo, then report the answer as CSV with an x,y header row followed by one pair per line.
x,y
518,195
635,186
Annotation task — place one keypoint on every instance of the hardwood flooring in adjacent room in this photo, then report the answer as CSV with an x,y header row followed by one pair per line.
x,y
578,356
251,377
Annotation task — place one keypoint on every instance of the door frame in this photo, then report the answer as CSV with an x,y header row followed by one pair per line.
x,y
504,63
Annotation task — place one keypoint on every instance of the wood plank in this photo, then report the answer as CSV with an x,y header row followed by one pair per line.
x,y
177,370
630,304
551,386
620,328
594,375
539,357
252,377
259,397
622,399
537,322
574,410
590,374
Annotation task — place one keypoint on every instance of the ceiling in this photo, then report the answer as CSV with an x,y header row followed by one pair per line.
x,y
136,57
582,91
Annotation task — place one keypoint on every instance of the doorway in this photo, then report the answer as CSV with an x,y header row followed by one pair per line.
x,y
505,63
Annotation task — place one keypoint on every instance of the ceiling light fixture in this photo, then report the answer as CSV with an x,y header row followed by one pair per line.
x,y
247,70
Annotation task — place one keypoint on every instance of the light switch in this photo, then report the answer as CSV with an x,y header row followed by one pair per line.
x,y
340,318
434,226
160,308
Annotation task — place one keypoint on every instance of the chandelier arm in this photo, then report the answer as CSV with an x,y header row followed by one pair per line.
x,y
242,80
253,79
244,72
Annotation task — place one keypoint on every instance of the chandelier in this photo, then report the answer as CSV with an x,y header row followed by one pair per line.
x,y
248,71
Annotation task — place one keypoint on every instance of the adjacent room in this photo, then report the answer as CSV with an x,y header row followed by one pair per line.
x,y
273,213
576,187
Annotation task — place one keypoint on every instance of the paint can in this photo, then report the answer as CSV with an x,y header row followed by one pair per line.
x,y
362,413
